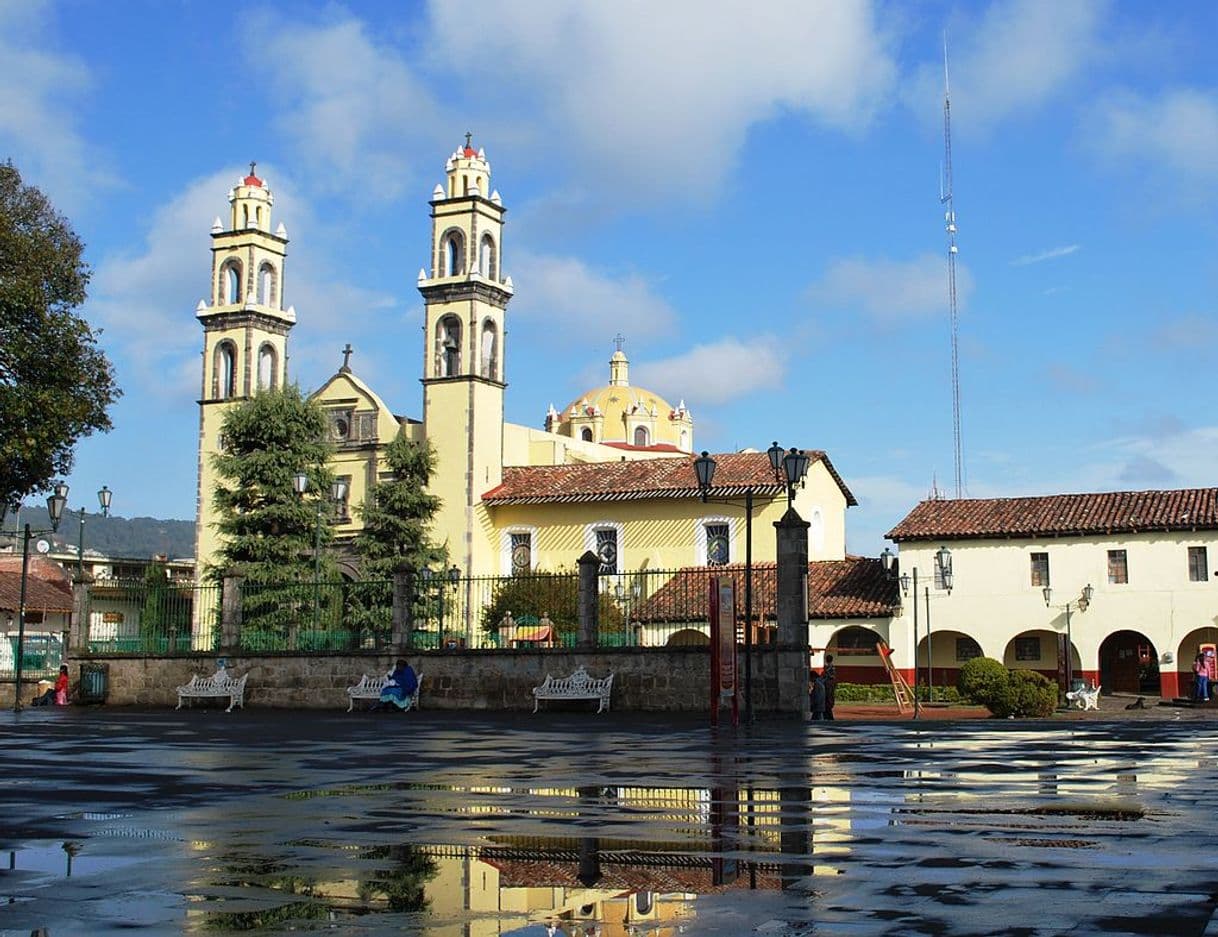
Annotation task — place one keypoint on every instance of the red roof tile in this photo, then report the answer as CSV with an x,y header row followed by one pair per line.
x,y
643,479
1062,515
855,587
48,588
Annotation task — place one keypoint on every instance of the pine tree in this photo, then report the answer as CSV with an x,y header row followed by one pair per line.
x,y
267,529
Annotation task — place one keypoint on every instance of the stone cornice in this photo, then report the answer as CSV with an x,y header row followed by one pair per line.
x,y
483,291
460,378
240,318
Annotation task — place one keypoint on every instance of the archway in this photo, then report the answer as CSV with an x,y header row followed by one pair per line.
x,y
1129,663
949,651
855,655
688,637
1190,645
1042,650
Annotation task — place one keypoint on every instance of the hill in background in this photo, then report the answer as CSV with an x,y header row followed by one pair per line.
x,y
128,537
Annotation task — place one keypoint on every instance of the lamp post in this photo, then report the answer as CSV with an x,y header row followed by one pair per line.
x,y
1081,604
103,499
338,492
626,599
794,465
55,505
943,567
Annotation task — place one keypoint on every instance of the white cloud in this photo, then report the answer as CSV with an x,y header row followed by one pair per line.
x,y
1051,254
145,298
739,368
1176,130
1020,54
357,110
39,90
563,298
890,291
660,96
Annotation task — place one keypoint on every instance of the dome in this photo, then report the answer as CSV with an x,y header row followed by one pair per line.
x,y
623,416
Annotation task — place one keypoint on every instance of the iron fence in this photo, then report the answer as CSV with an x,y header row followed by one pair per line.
x,y
151,617
317,617
41,654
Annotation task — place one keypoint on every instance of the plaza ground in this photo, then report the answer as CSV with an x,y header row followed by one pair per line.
x,y
455,823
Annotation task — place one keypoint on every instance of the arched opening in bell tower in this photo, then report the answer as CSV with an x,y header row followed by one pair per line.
x,y
448,350
490,350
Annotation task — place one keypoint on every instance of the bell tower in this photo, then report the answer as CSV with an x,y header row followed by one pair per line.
x,y
245,330
465,298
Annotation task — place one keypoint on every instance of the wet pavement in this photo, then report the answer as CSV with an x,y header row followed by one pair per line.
x,y
477,825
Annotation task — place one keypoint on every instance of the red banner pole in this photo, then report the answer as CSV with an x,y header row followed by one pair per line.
x,y
713,609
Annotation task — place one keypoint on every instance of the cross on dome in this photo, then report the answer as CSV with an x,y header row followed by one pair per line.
x,y
619,340
252,179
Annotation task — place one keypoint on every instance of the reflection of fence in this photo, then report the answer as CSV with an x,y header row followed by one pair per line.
x,y
151,617
644,608
42,653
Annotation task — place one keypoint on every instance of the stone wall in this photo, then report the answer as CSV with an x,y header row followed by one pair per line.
x,y
646,679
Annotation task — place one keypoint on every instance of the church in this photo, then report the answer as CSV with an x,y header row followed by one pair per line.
x,y
611,472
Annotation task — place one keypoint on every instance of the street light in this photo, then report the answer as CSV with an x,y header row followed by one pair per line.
x,y
1081,604
794,471
103,499
55,505
627,599
338,492
943,567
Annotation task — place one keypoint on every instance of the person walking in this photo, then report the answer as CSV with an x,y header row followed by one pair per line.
x,y
830,677
1201,680
816,696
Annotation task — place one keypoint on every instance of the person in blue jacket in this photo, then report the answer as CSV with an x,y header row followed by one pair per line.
x,y
400,689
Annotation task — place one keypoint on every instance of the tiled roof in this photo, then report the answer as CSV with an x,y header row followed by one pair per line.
x,y
855,587
48,588
1062,515
643,479
682,874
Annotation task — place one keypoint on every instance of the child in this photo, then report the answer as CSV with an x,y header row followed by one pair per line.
x,y
58,694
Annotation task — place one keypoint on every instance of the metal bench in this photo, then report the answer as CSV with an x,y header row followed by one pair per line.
x,y
218,685
369,688
577,686
1085,697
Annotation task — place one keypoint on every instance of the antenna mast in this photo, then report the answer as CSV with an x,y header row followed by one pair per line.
x,y
949,217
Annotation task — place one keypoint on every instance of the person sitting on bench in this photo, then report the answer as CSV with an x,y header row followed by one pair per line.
x,y
399,691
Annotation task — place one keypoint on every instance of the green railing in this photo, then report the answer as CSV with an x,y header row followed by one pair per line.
x,y
320,618
148,616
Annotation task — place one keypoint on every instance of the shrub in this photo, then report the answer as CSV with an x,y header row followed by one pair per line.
x,y
982,680
1030,695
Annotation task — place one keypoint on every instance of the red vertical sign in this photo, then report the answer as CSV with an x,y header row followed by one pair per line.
x,y
723,648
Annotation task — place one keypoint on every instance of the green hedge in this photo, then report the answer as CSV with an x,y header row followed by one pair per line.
x,y
882,693
1007,693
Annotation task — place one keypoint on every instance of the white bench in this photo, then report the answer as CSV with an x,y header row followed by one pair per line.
x,y
370,688
219,684
1087,697
577,686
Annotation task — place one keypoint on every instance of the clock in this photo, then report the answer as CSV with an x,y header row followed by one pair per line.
x,y
716,550
607,551
521,556
42,546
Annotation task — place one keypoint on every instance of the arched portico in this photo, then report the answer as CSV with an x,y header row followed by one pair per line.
x,y
1042,650
855,655
1129,663
688,637
949,651
1178,678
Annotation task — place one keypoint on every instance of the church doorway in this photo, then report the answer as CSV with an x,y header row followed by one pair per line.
x,y
1129,663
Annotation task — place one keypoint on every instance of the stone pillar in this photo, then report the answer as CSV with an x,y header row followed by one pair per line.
x,y
589,599
402,635
792,608
230,610
78,628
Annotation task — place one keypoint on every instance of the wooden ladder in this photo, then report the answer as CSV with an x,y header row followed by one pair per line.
x,y
900,689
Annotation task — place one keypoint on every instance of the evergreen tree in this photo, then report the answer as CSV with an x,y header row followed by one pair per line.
x,y
267,529
55,383
398,513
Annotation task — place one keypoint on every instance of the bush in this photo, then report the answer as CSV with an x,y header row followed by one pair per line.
x,y
982,680
1014,693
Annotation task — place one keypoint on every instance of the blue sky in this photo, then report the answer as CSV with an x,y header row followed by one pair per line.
x,y
749,194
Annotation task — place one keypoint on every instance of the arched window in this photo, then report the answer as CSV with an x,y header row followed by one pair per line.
x,y
231,279
448,351
452,260
486,258
586,434
268,288
640,436
490,350
226,370
245,216
267,367
684,441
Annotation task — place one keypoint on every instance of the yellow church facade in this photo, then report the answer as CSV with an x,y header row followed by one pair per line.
x,y
611,472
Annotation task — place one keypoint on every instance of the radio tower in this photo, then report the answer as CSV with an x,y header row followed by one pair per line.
x,y
949,217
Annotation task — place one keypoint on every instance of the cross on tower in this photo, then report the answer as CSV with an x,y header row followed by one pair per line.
x,y
468,136
619,340
347,357
252,165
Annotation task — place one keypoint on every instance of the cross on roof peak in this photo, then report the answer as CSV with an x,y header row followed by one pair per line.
x,y
347,357
619,340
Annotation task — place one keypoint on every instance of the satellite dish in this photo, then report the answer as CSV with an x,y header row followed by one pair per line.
x,y
43,546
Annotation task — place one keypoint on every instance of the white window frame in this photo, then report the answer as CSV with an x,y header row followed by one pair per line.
x,y
505,547
590,539
700,526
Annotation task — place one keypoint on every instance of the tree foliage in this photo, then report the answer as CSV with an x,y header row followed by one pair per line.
x,y
267,529
555,596
398,513
1017,693
55,383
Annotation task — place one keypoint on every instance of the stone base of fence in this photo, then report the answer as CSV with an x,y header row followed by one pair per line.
x,y
675,679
